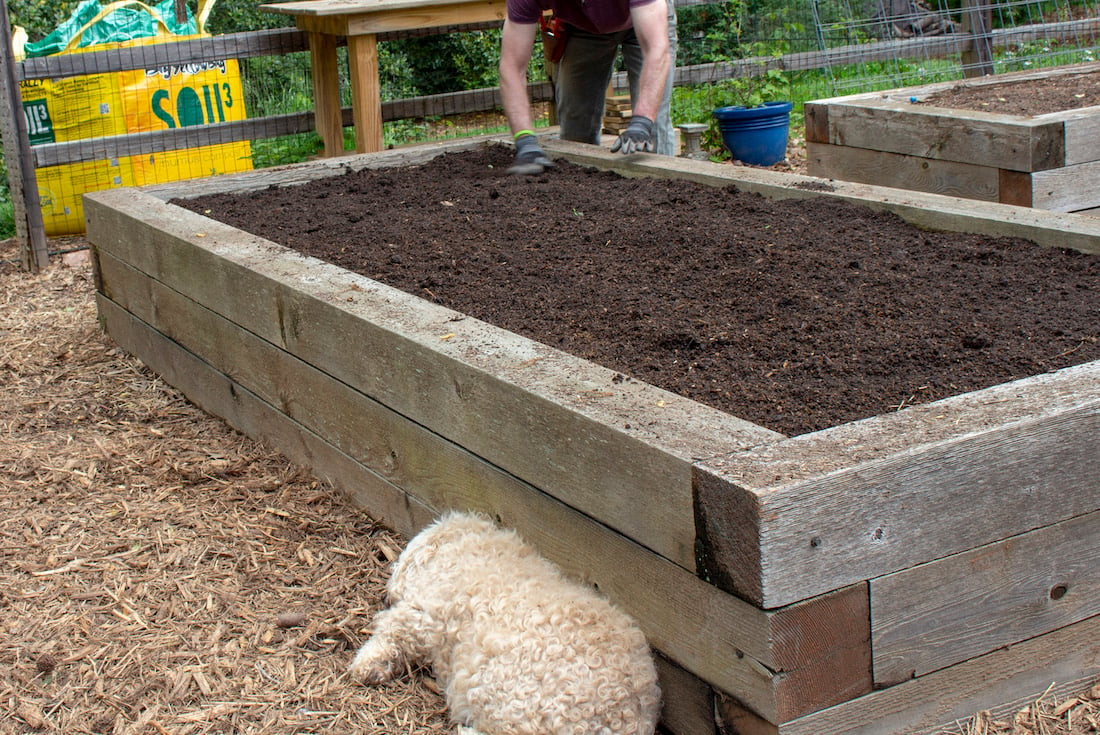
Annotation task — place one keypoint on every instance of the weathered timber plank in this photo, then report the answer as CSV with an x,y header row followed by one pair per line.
x,y
169,139
618,450
300,173
1082,136
217,394
985,139
688,707
769,185
708,632
930,211
1014,187
433,15
903,172
1067,189
821,647
735,719
816,116
687,702
26,211
823,650
999,681
820,511
938,614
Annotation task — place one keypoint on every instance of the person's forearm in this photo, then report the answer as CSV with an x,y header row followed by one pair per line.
x,y
514,57
517,105
651,86
651,27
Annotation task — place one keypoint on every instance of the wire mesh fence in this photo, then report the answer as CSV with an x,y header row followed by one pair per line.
x,y
896,43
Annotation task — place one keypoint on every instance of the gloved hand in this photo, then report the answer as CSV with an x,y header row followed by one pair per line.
x,y
529,157
637,137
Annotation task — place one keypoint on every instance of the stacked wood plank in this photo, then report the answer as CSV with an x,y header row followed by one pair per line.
x,y
885,576
617,112
900,139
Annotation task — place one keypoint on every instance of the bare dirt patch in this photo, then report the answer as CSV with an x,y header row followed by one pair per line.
x,y
1055,93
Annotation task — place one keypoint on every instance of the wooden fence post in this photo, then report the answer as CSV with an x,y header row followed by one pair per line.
x,y
977,20
23,187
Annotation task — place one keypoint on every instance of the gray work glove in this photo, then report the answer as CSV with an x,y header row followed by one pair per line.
x,y
529,157
637,138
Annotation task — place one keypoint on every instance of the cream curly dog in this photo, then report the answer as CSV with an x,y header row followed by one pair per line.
x,y
517,648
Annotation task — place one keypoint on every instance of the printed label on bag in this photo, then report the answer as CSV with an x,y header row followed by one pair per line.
x,y
39,124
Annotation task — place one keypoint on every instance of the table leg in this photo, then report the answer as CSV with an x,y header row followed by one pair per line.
x,y
326,92
366,94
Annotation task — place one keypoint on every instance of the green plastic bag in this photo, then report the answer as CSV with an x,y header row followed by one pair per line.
x,y
119,24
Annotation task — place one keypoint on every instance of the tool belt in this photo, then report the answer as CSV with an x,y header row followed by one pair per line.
x,y
554,36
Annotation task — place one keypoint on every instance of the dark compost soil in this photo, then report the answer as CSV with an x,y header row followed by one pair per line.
x,y
796,315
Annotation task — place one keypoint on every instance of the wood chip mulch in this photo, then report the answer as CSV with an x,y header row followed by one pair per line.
x,y
161,573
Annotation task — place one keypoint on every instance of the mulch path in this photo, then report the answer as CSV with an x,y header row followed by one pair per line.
x,y
159,572
796,315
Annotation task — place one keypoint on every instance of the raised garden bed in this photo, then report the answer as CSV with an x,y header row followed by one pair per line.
x,y
878,575
1004,138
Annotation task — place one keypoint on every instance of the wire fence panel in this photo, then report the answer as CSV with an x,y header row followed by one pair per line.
x,y
897,43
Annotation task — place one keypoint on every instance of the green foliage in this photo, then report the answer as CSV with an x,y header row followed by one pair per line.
x,y
395,73
7,213
478,60
710,32
275,85
446,63
40,17
233,16
267,152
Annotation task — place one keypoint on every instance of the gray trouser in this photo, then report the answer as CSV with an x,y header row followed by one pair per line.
x,y
582,76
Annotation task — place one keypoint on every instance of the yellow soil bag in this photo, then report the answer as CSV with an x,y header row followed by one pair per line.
x,y
171,96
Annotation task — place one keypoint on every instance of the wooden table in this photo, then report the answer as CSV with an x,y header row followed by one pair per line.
x,y
360,21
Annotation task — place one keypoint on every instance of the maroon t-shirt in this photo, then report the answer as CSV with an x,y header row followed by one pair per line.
x,y
595,16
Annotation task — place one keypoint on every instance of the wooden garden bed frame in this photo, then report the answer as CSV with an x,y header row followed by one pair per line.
x,y
902,139
886,575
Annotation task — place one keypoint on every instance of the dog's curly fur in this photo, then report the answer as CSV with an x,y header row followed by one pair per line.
x,y
517,648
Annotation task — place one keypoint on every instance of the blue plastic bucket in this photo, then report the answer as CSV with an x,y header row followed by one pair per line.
x,y
755,135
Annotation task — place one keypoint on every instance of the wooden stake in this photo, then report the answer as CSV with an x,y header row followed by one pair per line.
x,y
30,231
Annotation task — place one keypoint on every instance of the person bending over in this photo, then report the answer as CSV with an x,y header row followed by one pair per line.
x,y
595,32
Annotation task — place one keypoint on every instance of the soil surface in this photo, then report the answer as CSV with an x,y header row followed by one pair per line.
x,y
1032,97
796,315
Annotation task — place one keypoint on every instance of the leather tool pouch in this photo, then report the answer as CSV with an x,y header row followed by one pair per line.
x,y
554,36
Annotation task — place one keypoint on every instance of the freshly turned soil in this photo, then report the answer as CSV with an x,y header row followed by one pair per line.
x,y
1030,97
796,315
